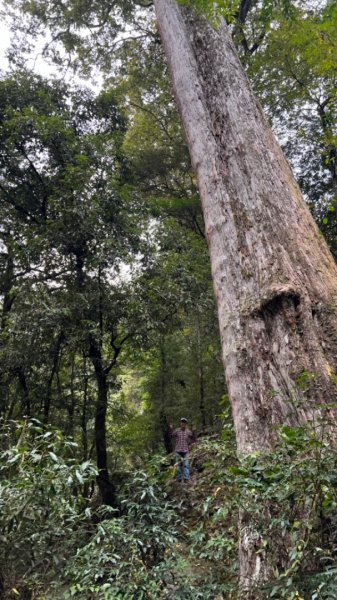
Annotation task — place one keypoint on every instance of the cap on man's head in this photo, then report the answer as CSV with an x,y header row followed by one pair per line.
x,y
183,420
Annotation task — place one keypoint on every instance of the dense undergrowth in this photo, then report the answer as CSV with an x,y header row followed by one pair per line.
x,y
168,540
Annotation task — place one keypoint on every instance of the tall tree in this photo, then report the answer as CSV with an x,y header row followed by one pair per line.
x,y
274,278
66,231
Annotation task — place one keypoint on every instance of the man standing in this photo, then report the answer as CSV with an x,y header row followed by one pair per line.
x,y
184,437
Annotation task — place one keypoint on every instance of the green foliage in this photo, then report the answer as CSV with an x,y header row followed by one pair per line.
x,y
212,537
159,548
261,14
290,494
84,33
129,557
294,75
51,546
135,556
42,505
68,226
214,10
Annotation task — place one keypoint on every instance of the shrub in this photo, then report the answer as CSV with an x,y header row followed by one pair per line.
x,y
131,556
42,507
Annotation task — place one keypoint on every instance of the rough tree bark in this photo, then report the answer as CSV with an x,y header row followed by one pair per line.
x,y
275,280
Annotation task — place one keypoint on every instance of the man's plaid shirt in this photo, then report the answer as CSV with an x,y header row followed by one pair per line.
x,y
183,438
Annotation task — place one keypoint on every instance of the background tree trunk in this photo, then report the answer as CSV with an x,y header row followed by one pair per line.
x,y
275,280
105,485
164,425
26,405
7,286
201,377
55,364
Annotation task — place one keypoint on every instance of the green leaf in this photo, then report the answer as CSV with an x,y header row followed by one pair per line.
x,y
53,457
79,477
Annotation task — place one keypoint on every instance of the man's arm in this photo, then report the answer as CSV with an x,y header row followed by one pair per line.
x,y
173,432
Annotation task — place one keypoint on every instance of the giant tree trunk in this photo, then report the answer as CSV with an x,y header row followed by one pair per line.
x,y
275,280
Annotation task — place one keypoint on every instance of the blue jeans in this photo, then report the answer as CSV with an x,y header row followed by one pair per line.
x,y
182,462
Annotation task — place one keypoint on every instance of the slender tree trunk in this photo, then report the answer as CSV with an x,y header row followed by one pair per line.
x,y
164,425
84,417
201,377
71,406
10,411
8,294
329,154
106,487
26,407
202,396
274,278
7,290
56,357
166,432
